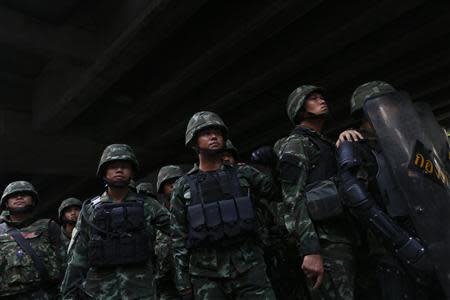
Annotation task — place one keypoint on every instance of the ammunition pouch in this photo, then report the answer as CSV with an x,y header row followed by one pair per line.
x,y
118,235
213,222
323,200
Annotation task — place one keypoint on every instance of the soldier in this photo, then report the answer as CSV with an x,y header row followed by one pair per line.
x,y
165,268
312,212
213,220
230,153
167,176
31,251
68,213
382,180
109,254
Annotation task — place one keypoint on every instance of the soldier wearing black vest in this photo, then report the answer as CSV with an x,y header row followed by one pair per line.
x,y
110,250
213,221
311,208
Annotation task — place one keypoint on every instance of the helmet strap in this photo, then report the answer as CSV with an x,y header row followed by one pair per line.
x,y
209,154
21,210
65,221
116,184
311,116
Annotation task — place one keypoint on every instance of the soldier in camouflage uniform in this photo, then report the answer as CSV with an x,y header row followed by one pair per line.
x,y
31,251
306,162
109,254
68,213
216,251
391,260
230,153
280,251
165,269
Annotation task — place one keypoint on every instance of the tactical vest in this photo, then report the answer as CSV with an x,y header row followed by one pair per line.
x,y
118,235
220,212
325,167
18,271
322,196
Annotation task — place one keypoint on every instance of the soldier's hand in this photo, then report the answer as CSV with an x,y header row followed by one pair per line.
x,y
349,135
312,266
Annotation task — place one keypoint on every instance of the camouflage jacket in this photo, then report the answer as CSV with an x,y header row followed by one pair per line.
x,y
218,262
164,257
295,214
121,282
65,239
17,271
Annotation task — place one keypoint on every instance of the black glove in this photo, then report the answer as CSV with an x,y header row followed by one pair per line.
x,y
265,156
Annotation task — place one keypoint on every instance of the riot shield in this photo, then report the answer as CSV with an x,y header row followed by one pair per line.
x,y
437,134
418,170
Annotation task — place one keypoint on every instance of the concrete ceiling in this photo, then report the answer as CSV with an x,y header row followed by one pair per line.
x,y
77,75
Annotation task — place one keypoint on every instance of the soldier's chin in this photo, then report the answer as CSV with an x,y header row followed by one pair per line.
x,y
21,210
117,183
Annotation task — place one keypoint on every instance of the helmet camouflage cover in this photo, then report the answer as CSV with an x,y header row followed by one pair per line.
x,y
229,147
202,120
368,90
166,173
66,204
297,98
18,187
145,188
117,152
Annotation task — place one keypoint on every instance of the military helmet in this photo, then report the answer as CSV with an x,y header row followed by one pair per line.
x,y
19,187
166,173
229,147
297,99
145,188
368,90
116,152
66,204
202,120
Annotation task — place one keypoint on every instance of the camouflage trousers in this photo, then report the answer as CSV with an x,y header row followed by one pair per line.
x,y
251,285
285,274
339,279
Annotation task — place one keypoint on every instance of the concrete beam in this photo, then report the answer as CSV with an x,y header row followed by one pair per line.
x,y
153,24
22,32
260,27
25,151
308,56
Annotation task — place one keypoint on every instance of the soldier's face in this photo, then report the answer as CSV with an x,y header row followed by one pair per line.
x,y
316,104
229,158
71,213
210,138
19,200
119,171
168,188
